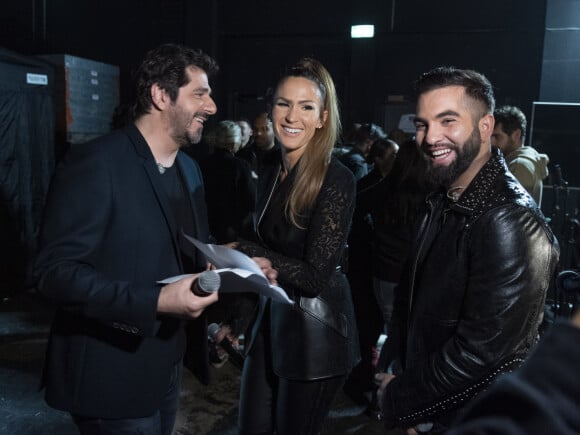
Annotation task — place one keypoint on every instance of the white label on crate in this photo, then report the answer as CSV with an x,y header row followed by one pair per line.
x,y
36,79
94,73
95,97
94,82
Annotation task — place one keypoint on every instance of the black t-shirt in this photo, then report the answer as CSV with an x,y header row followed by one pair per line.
x,y
181,207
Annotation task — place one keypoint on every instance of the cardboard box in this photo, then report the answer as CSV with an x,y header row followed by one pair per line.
x,y
86,95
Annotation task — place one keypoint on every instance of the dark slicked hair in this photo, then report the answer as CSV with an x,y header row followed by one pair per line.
x,y
476,85
166,66
511,119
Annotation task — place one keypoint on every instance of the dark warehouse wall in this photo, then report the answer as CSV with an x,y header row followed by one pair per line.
x,y
253,40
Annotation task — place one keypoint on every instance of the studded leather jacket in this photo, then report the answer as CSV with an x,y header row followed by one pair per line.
x,y
471,298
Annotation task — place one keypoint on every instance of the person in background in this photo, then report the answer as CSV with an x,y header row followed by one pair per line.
x,y
360,382
247,132
471,297
528,166
399,136
264,147
230,193
382,156
392,207
299,355
356,158
350,134
229,188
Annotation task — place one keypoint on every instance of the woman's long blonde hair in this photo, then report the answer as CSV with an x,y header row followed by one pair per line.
x,y
313,164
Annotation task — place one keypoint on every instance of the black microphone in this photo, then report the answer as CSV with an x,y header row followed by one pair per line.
x,y
235,357
208,282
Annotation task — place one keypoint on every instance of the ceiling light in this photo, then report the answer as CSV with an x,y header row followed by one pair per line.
x,y
362,31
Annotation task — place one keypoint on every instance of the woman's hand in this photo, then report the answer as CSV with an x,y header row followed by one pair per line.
x,y
267,269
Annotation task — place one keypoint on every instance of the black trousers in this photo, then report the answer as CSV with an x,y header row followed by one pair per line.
x,y
271,404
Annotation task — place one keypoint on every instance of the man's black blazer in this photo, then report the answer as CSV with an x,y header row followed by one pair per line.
x,y
108,236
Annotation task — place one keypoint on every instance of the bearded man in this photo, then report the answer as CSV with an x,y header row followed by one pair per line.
x,y
112,230
528,166
472,296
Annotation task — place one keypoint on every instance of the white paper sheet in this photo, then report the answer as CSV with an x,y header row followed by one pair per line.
x,y
238,272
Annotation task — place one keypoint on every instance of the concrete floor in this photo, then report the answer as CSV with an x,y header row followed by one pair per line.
x,y
211,410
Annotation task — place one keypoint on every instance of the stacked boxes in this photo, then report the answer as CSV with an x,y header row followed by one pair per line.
x,y
86,95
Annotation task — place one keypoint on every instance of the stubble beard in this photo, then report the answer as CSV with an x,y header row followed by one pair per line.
x,y
194,138
180,125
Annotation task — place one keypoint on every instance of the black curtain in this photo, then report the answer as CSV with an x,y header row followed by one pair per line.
x,y
26,166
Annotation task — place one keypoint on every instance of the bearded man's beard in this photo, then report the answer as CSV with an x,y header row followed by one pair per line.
x,y
444,176
181,122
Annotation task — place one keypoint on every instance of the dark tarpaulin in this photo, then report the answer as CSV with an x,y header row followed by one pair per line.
x,y
26,164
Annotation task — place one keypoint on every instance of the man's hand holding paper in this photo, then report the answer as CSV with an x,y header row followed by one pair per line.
x,y
240,273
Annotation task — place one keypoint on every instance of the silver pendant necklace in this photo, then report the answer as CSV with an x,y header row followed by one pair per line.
x,y
161,168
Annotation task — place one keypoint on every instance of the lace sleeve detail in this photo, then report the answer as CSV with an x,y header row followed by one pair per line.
x,y
327,233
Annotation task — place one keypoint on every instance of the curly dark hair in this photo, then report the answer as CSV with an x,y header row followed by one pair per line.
x,y
511,119
166,65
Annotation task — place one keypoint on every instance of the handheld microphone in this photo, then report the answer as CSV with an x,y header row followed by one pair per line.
x,y
208,282
235,357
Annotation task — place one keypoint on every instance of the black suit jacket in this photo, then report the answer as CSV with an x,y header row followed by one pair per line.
x,y
108,236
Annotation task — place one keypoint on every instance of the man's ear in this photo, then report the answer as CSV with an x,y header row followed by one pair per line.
x,y
517,135
486,124
159,97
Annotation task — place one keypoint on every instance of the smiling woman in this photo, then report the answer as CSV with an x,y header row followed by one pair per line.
x,y
299,356
306,122
297,114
